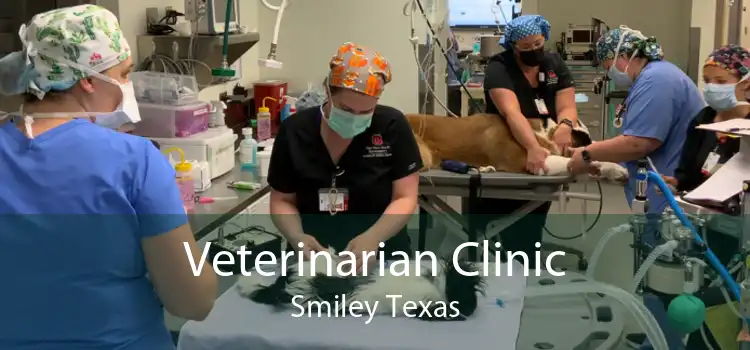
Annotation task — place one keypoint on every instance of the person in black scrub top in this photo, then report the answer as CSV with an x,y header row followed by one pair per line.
x,y
344,175
520,83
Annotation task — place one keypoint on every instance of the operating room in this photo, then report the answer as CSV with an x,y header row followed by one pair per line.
x,y
623,230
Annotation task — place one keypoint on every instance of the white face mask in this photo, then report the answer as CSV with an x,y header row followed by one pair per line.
x,y
126,112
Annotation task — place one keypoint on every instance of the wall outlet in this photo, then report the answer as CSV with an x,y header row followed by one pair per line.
x,y
168,9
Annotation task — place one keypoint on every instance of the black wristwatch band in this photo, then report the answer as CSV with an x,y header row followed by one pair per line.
x,y
586,156
567,122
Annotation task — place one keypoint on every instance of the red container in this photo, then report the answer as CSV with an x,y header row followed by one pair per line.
x,y
270,88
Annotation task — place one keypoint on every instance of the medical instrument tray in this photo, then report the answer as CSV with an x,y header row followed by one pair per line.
x,y
165,88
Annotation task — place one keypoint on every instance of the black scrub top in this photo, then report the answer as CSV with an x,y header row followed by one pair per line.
x,y
503,72
698,145
300,164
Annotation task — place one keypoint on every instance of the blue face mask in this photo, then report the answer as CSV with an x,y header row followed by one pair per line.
x,y
347,124
621,79
721,97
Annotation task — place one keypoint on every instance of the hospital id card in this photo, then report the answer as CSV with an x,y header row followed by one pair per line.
x,y
333,200
541,107
712,162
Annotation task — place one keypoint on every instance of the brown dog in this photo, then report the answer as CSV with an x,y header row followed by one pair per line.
x,y
485,140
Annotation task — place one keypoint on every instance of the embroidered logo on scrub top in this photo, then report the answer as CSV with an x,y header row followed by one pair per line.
x,y
377,149
551,78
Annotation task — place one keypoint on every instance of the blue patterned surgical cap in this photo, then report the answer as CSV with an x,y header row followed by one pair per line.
x,y
633,41
524,26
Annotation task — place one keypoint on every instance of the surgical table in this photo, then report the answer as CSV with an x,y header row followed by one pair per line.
x,y
558,322
471,187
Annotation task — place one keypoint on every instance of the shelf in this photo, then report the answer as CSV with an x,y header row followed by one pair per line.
x,y
206,48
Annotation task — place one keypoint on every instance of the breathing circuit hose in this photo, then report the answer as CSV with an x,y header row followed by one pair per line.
x,y
644,318
614,231
660,250
734,288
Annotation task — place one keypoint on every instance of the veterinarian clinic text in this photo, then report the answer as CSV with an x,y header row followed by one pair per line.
x,y
342,307
345,264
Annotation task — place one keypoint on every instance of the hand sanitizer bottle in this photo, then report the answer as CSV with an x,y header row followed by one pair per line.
x,y
248,150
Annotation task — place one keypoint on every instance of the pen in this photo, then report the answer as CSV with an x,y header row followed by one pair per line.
x,y
737,129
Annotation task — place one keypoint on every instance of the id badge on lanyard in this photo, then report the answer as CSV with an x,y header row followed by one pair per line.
x,y
711,165
541,107
333,200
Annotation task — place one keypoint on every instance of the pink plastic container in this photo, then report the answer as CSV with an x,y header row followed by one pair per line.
x,y
172,121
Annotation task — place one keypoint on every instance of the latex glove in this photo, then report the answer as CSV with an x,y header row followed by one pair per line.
x,y
535,160
309,245
563,137
361,245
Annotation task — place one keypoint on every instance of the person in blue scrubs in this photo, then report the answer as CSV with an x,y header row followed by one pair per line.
x,y
661,103
94,237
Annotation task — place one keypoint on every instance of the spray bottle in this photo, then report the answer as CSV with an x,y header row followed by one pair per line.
x,y
264,120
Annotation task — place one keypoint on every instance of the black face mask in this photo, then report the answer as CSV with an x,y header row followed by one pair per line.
x,y
532,58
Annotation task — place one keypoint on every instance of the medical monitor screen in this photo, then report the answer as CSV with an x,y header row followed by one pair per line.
x,y
481,13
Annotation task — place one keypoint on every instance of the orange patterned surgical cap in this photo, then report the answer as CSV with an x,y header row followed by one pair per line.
x,y
358,68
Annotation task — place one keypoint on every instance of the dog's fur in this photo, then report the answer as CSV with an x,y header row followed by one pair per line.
x,y
429,290
485,140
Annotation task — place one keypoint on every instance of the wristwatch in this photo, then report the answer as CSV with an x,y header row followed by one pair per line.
x,y
567,122
586,156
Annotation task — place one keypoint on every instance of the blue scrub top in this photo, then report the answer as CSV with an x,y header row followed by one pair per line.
x,y
660,105
75,203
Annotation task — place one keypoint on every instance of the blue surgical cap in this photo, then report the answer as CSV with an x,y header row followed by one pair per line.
x,y
524,26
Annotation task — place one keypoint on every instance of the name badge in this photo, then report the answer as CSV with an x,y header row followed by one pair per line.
x,y
333,200
541,77
712,163
541,107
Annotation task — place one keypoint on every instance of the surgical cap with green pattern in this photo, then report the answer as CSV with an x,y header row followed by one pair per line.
x,y
61,42
630,42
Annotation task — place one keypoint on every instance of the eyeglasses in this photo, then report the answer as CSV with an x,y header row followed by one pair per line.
x,y
535,46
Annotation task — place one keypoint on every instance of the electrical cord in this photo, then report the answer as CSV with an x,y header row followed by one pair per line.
x,y
434,35
596,220
164,26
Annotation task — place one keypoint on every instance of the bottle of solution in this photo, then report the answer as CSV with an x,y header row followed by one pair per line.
x,y
248,150
184,179
264,120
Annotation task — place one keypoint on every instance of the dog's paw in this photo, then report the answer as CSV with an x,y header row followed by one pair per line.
x,y
613,172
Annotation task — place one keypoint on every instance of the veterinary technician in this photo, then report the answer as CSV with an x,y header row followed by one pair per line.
x,y
725,74
344,174
93,227
526,82
661,103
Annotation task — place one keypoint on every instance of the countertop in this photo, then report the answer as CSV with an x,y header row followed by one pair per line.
x,y
205,218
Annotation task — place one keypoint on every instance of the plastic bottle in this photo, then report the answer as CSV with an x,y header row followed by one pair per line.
x,y
264,120
184,180
248,150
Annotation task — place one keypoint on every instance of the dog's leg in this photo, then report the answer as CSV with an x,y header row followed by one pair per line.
x,y
461,291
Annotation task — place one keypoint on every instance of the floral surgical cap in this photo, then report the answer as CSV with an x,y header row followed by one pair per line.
x,y
524,26
87,36
733,58
632,42
357,68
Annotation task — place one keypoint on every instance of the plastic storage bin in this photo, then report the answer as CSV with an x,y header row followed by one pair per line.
x,y
172,121
164,88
